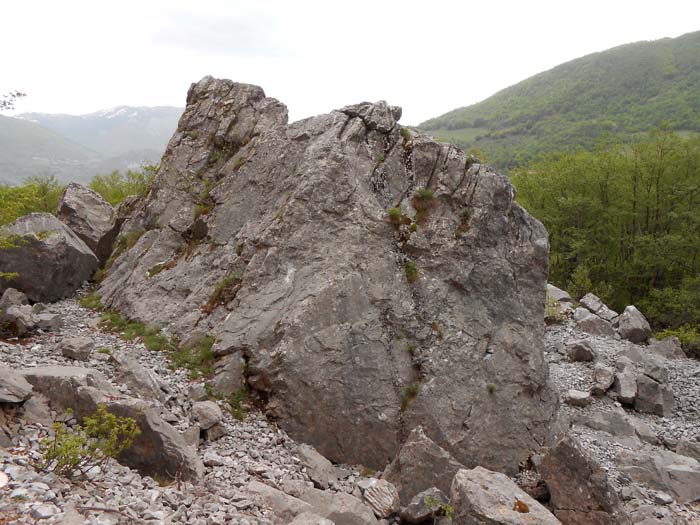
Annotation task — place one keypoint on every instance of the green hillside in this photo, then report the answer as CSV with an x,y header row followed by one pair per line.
x,y
27,149
621,92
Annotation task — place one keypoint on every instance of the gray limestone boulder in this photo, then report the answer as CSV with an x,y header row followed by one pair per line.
x,y
421,464
594,305
284,506
206,414
309,518
12,297
424,506
319,469
653,396
356,329
76,348
50,261
603,379
669,348
594,325
13,387
17,321
91,218
558,295
577,398
338,507
137,377
229,374
581,350
581,493
663,470
632,325
482,496
382,497
689,447
159,449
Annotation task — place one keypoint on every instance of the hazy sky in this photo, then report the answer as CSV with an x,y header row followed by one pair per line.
x,y
315,56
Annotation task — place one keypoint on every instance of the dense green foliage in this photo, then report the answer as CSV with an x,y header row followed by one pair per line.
x,y
36,194
77,450
41,194
624,223
117,186
618,93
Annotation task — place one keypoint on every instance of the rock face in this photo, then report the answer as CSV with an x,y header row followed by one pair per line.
x,y
91,218
482,496
355,325
50,261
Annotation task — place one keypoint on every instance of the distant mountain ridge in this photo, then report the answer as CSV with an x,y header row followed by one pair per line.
x,y
78,147
623,91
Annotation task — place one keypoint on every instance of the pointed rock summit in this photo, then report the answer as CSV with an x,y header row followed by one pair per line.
x,y
371,279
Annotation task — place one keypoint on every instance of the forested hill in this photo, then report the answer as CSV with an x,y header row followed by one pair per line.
x,y
621,92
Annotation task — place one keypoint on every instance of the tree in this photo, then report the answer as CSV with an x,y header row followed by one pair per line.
x,y
7,101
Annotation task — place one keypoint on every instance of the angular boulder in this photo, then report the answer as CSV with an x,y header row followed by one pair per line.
x,y
91,218
603,378
558,295
13,387
424,506
669,348
137,377
319,469
581,350
382,497
595,305
421,464
356,327
338,507
50,261
653,397
580,491
632,325
77,348
594,325
158,450
663,470
482,496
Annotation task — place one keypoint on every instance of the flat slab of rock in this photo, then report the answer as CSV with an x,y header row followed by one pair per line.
x,y
482,496
421,464
13,387
594,325
577,398
51,261
284,506
382,497
340,508
90,216
558,295
138,378
594,305
669,348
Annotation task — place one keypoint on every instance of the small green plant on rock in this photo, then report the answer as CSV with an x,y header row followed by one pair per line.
x,y
8,276
411,271
439,509
224,292
197,357
491,388
423,201
394,215
235,401
75,451
409,395
91,301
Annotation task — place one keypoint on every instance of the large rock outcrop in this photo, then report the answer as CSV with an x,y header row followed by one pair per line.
x,y
373,280
91,218
45,259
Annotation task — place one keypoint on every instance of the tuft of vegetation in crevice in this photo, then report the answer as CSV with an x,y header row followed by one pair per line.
x,y
123,244
409,395
224,292
197,357
168,265
423,202
8,276
411,271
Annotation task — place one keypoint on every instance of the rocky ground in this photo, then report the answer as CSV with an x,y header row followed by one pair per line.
x,y
254,450
600,429
251,449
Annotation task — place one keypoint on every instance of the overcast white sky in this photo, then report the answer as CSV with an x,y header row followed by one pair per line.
x,y
315,56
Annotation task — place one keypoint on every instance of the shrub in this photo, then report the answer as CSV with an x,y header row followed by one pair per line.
x,y
116,186
8,276
75,451
405,133
425,193
394,215
236,403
